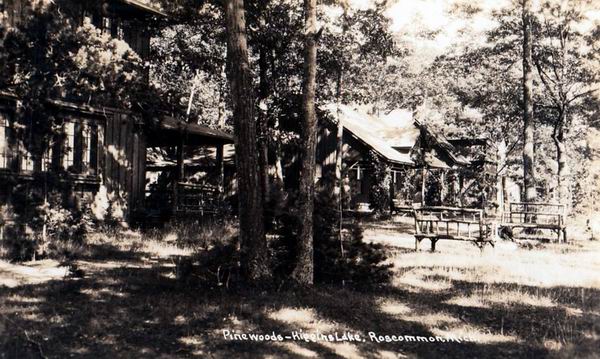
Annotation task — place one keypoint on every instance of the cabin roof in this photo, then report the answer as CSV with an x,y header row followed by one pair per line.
x,y
395,135
168,131
144,6
361,125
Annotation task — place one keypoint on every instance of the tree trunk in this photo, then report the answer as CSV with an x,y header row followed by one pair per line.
x,y
501,177
339,152
339,148
304,272
278,158
563,175
252,236
528,125
263,142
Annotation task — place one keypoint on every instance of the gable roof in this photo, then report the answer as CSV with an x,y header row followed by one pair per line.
x,y
394,135
361,125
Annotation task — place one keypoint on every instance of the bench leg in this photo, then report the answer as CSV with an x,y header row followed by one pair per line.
x,y
481,246
417,241
433,242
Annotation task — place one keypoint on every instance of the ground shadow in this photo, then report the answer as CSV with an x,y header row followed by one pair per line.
x,y
144,311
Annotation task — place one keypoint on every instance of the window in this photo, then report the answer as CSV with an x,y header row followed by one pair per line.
x,y
106,25
13,153
27,163
356,174
80,148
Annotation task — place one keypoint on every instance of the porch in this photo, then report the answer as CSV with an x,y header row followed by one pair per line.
x,y
185,172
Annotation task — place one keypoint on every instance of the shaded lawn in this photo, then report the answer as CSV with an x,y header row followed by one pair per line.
x,y
134,307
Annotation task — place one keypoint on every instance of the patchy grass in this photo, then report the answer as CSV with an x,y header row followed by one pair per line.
x,y
513,302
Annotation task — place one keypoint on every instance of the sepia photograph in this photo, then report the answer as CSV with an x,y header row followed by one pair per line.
x,y
299,179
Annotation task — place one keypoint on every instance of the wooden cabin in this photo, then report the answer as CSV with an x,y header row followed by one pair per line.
x,y
417,157
101,157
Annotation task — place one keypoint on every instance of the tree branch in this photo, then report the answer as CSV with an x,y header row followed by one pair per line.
x,y
543,76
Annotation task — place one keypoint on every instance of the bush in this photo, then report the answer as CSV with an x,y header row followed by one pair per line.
x,y
66,230
347,260
220,266
203,234
36,228
379,194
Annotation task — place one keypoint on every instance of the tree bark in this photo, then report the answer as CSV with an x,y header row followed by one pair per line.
x,y
304,272
252,236
563,173
263,136
501,177
529,190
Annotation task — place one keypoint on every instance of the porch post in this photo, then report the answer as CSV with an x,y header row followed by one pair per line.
x,y
443,188
179,172
220,169
339,156
423,182
392,190
461,182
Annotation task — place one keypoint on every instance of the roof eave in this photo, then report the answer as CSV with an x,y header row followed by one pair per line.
x,y
145,7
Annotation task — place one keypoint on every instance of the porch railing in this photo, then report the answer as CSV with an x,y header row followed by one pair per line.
x,y
185,199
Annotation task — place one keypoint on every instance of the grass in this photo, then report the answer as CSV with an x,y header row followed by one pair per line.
x,y
514,302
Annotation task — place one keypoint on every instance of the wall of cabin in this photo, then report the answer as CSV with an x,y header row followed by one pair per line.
x,y
100,160
357,178
124,157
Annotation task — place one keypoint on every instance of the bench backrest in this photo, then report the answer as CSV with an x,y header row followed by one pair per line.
x,y
450,222
535,213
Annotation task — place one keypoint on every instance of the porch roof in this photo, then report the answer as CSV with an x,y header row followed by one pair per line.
x,y
168,131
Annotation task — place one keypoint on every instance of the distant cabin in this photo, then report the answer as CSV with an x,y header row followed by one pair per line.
x,y
426,168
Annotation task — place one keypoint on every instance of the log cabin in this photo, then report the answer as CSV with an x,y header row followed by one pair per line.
x,y
102,159
423,164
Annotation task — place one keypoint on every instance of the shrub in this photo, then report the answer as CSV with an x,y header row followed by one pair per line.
x,y
345,260
38,228
203,234
379,194
66,230
220,265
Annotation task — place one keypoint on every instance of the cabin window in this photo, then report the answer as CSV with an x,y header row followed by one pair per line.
x,y
357,179
80,148
106,25
27,164
13,154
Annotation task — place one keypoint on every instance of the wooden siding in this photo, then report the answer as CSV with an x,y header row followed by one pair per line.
x,y
124,162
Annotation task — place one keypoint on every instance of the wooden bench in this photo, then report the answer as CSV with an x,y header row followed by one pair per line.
x,y
400,207
536,215
452,223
